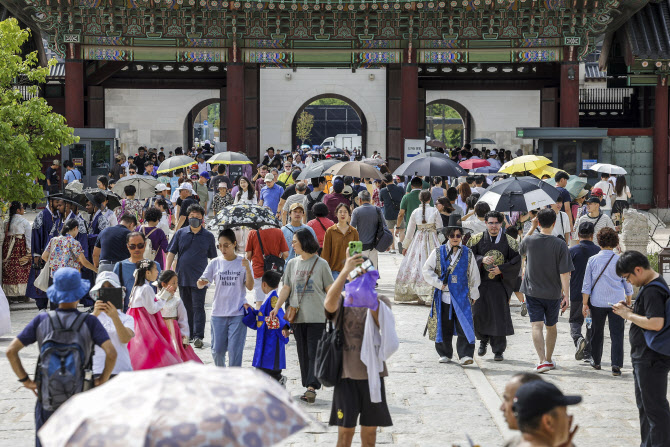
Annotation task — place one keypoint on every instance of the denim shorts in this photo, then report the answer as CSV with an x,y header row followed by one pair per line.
x,y
540,309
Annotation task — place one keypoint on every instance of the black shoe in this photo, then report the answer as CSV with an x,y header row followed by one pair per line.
x,y
616,371
498,357
593,365
524,309
482,348
581,346
197,342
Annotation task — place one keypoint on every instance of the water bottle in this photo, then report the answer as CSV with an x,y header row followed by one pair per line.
x,y
588,320
88,380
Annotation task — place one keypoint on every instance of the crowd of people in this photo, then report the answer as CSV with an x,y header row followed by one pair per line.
x,y
143,268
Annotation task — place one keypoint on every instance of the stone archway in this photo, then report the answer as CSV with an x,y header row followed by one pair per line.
x,y
352,104
190,120
466,117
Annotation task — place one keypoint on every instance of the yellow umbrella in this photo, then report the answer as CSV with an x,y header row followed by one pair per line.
x,y
524,163
545,170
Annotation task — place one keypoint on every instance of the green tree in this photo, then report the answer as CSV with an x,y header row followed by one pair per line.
x,y
304,126
329,102
29,130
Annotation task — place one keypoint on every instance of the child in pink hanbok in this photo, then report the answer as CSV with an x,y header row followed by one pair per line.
x,y
174,314
151,347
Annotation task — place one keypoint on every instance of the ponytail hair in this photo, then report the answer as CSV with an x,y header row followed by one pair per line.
x,y
141,270
424,197
69,226
165,277
14,207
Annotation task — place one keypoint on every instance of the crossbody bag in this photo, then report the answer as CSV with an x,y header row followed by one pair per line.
x,y
292,312
593,287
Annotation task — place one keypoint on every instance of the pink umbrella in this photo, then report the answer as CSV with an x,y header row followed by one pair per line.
x,y
474,163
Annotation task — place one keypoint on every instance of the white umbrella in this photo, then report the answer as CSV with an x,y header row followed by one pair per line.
x,y
606,168
145,186
186,404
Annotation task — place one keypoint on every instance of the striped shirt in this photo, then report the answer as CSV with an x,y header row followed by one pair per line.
x,y
610,287
599,222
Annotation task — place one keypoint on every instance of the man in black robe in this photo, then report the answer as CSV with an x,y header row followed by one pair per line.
x,y
498,259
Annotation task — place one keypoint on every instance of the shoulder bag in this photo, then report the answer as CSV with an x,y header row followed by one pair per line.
x,y
42,280
383,237
593,286
328,361
292,312
659,341
270,262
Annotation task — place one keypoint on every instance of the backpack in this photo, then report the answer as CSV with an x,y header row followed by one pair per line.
x,y
270,262
149,252
659,341
311,202
65,359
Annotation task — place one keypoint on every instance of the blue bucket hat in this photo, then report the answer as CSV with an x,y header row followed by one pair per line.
x,y
68,286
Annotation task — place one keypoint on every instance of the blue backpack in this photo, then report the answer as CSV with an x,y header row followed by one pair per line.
x,y
659,341
66,351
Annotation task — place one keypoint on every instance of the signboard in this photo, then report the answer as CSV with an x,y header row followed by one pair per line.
x,y
586,164
414,148
205,123
78,161
519,133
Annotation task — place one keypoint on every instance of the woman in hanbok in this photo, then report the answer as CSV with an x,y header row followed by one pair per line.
x,y
151,347
246,194
421,240
16,256
174,315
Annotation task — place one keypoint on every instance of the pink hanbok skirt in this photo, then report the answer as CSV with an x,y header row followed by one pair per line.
x,y
151,347
185,353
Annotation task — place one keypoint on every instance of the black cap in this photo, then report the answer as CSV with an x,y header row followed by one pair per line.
x,y
536,398
594,200
586,229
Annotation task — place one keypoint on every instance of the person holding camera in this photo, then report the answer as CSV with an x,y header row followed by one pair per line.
x,y
599,219
119,326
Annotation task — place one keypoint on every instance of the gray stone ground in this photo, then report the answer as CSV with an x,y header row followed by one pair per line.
x,y
431,403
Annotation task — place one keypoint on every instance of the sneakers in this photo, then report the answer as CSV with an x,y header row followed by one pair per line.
x,y
545,366
581,346
466,361
524,309
197,342
498,357
445,359
482,348
616,371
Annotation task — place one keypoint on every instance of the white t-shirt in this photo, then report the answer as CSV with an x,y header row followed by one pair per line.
x,y
562,225
608,190
122,355
230,293
624,194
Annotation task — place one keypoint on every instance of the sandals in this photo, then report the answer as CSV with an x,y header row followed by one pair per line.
x,y
309,396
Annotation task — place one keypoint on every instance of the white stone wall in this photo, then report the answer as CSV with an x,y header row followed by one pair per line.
x,y
151,118
281,99
496,113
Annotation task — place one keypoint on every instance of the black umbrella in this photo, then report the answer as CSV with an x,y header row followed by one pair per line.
x,y
335,151
317,169
520,194
242,215
432,164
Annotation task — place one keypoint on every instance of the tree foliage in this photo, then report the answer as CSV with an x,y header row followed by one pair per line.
x,y
304,126
329,102
29,130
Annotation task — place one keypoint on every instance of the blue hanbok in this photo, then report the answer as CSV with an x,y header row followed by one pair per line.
x,y
270,350
42,226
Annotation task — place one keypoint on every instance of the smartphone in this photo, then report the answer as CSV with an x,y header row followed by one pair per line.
x,y
355,248
368,266
112,295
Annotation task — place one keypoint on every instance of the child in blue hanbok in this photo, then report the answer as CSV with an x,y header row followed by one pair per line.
x,y
272,334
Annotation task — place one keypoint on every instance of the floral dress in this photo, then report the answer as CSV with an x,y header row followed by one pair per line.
x,y
64,252
130,206
218,203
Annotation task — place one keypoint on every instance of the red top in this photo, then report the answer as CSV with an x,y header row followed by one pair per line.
x,y
274,243
320,225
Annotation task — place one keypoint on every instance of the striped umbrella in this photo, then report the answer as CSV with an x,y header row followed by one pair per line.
x,y
520,194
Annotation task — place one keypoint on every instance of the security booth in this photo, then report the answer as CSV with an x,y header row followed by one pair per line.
x,y
93,155
577,149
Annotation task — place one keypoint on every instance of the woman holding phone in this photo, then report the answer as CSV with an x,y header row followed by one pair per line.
x,y
336,240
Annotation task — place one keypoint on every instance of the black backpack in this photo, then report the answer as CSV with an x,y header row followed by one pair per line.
x,y
270,262
311,202
65,360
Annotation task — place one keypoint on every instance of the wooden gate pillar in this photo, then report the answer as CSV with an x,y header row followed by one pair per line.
x,y
569,116
661,144
409,73
74,87
235,103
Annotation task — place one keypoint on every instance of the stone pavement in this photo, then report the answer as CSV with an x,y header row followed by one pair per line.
x,y
431,403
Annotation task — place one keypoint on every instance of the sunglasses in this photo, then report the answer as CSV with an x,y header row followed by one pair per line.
x,y
136,246
455,236
131,172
